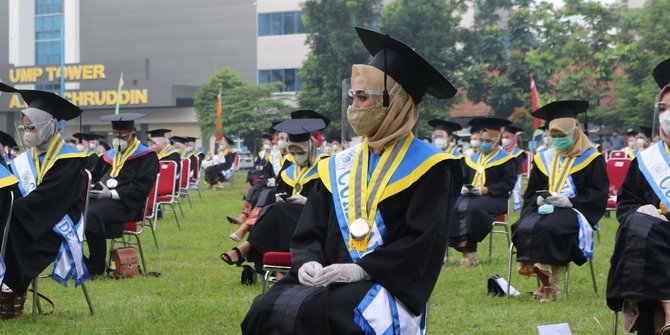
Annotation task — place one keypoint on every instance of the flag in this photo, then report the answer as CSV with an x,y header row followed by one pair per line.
x,y
535,102
118,94
219,122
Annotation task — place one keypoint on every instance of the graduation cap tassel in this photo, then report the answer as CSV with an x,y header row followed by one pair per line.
x,y
386,100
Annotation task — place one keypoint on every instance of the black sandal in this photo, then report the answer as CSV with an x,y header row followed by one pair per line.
x,y
229,260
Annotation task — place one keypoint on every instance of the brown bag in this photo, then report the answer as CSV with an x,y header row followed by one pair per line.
x,y
125,261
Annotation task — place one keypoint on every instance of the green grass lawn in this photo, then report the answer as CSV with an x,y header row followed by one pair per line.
x,y
199,294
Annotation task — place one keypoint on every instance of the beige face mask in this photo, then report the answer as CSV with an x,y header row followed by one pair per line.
x,y
366,121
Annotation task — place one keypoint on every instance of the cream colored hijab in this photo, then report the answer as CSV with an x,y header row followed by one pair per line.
x,y
402,113
565,125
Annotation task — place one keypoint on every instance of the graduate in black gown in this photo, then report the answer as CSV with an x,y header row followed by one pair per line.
x,y
566,197
86,144
165,152
345,263
7,143
48,206
276,222
443,136
490,175
123,179
639,278
220,170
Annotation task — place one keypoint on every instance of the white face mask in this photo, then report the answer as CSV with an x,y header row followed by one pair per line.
x,y
92,145
31,139
640,142
335,146
631,144
282,144
440,143
80,147
266,146
664,119
474,143
506,142
119,144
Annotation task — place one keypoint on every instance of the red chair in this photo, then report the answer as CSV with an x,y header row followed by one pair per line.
x,y
184,180
616,172
618,154
236,167
166,188
194,182
275,261
37,307
525,168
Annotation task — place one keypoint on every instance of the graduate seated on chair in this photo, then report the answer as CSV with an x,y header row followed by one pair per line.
x,y
122,181
639,278
368,249
47,207
490,174
88,144
276,223
222,165
566,197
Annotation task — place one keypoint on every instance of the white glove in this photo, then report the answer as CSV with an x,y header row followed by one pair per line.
x,y
653,211
103,193
476,191
307,273
340,273
540,200
296,199
271,182
465,190
278,197
558,200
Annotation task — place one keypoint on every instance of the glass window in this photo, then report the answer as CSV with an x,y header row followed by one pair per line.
x,y
289,78
48,39
282,23
47,7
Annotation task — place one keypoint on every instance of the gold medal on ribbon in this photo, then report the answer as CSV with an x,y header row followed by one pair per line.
x,y
112,183
359,229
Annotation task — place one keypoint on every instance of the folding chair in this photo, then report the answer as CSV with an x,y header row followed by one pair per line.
x,y
166,188
184,180
527,165
618,154
275,262
501,220
236,167
37,307
133,229
194,182
617,168
512,251
5,232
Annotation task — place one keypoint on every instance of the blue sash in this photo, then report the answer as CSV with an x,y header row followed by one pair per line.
x,y
654,164
69,261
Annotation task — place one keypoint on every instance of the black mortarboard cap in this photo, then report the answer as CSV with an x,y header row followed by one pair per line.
x,y
266,136
123,121
309,114
229,140
561,109
7,140
158,132
447,126
661,73
631,133
646,131
300,130
58,107
190,138
489,123
544,126
86,136
178,139
512,129
405,66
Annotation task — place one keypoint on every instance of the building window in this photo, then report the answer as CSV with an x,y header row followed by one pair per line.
x,y
288,77
48,34
282,23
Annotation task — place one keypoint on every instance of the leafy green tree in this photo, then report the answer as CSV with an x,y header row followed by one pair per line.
x,y
247,110
334,47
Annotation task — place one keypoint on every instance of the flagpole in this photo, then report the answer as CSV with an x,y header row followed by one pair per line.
x,y
62,62
219,121
118,94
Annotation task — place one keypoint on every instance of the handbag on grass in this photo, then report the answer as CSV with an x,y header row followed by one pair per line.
x,y
498,286
125,261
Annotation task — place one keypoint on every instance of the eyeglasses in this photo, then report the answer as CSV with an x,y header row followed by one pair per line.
x,y
31,126
352,93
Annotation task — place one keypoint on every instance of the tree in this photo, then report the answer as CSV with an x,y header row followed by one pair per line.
x,y
431,28
334,47
247,110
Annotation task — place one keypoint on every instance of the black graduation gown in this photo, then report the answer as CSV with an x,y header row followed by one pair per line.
x,y
32,245
213,173
91,160
553,239
640,266
277,222
472,216
408,265
138,175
